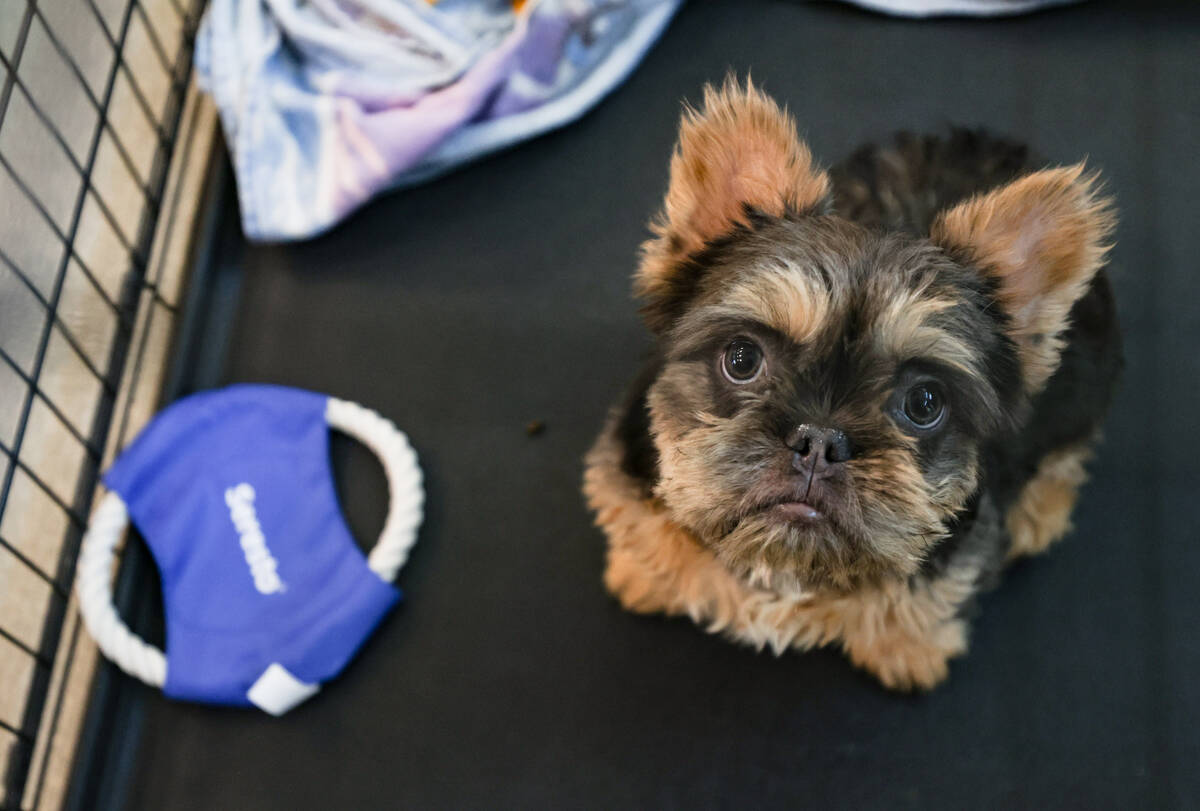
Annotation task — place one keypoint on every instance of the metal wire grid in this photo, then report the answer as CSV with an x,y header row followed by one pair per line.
x,y
31,343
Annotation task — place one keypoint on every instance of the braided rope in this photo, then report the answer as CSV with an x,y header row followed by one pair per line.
x,y
97,554
97,557
405,491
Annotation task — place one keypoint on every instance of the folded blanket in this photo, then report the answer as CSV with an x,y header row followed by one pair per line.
x,y
958,8
327,102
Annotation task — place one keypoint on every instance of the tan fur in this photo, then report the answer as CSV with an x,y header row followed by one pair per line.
x,y
795,303
1044,236
785,298
902,634
1042,513
742,149
785,294
904,331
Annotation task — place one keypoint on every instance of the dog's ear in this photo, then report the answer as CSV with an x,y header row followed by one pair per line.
x,y
739,153
1041,239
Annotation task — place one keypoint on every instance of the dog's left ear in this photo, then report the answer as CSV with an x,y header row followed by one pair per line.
x,y
740,152
1041,238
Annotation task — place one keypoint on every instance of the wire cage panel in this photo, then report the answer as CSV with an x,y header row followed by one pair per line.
x,y
91,98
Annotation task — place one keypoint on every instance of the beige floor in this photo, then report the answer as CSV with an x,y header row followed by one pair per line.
x,y
49,98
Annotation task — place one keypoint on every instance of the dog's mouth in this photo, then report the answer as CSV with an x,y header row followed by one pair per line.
x,y
804,506
797,511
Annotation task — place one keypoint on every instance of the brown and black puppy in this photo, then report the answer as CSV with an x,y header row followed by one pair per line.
x,y
871,387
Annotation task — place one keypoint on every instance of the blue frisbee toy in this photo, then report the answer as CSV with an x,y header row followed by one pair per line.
x,y
265,593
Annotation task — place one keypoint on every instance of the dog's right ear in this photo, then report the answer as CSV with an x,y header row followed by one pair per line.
x,y
740,153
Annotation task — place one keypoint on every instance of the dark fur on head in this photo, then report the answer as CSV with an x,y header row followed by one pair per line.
x,y
935,264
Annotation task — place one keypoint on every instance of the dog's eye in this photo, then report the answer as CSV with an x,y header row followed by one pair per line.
x,y
924,405
743,361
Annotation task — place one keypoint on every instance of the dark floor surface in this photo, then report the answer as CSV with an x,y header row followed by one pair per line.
x,y
499,295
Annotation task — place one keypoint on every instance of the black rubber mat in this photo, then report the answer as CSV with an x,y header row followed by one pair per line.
x,y
499,295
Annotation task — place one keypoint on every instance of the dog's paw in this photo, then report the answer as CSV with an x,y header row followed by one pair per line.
x,y
1042,513
907,662
634,586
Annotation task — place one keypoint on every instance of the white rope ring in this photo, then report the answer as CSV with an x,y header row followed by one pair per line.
x,y
97,554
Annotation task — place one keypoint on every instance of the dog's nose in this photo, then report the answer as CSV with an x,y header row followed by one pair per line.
x,y
818,449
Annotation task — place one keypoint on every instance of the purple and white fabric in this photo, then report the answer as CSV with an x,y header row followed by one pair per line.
x,y
327,102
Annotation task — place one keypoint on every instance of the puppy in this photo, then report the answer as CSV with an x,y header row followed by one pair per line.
x,y
871,387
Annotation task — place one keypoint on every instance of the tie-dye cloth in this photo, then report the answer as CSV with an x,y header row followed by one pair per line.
x,y
957,8
327,102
